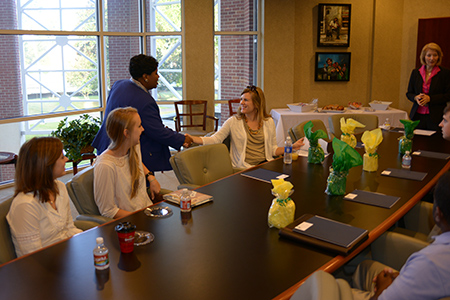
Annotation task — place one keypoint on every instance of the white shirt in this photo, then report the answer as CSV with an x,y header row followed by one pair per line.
x,y
35,225
235,128
112,185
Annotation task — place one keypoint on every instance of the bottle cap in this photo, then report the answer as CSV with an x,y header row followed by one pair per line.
x,y
99,240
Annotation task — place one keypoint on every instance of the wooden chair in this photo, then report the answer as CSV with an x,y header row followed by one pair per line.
x,y
191,117
230,105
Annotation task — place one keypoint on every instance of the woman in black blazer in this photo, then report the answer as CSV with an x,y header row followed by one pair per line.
x,y
429,88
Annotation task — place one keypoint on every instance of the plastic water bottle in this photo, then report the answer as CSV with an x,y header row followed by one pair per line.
x,y
387,124
406,160
288,151
101,255
185,201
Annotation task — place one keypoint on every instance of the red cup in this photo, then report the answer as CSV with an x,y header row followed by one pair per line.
x,y
125,232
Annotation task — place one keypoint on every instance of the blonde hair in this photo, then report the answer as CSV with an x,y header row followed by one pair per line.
x,y
34,169
431,46
118,120
259,101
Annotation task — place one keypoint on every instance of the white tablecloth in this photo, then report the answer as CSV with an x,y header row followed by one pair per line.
x,y
285,118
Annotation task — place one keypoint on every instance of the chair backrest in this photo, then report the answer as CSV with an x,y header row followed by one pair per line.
x,y
334,122
297,131
232,104
7,251
201,165
81,192
190,114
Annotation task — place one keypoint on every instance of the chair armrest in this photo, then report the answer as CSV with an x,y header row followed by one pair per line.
x,y
321,286
188,186
393,249
93,218
85,225
177,127
216,120
420,218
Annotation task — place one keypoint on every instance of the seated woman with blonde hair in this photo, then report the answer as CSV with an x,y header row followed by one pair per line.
x,y
119,181
252,132
40,212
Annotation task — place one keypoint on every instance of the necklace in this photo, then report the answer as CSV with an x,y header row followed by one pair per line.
x,y
253,131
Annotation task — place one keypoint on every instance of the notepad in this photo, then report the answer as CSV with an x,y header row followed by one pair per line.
x,y
404,173
424,132
325,233
264,175
197,198
432,154
371,198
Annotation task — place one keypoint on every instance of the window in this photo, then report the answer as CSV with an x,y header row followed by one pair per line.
x,y
236,49
61,58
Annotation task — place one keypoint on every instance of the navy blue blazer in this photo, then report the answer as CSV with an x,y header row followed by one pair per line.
x,y
439,93
156,138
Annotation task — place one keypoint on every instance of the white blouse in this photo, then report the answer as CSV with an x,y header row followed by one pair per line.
x,y
112,185
35,225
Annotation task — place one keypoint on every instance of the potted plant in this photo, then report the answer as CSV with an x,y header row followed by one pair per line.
x,y
77,135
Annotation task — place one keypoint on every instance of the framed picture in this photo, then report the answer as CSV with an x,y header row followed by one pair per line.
x,y
332,66
333,28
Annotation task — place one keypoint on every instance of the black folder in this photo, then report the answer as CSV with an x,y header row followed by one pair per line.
x,y
432,154
404,173
263,175
326,233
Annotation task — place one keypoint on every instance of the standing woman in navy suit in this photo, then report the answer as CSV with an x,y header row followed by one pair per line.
x,y
429,88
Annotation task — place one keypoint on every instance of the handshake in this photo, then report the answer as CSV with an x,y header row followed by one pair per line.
x,y
189,139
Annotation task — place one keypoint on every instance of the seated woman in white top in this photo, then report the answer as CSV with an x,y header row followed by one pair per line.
x,y
119,181
40,212
252,132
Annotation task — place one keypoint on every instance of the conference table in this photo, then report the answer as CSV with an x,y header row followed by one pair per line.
x,y
225,249
285,118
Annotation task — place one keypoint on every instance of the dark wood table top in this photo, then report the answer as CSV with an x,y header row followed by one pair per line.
x,y
226,251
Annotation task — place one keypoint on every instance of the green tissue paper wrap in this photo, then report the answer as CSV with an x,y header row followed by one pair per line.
x,y
316,155
405,141
344,158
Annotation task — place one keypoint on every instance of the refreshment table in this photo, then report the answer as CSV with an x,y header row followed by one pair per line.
x,y
285,118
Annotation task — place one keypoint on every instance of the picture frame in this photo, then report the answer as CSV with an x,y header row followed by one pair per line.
x,y
332,66
333,25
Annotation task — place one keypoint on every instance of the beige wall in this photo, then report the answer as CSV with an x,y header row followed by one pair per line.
x,y
198,57
382,45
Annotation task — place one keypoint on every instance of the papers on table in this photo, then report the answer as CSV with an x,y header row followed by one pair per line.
x,y
197,198
304,149
416,131
325,233
371,198
431,154
404,173
424,132
264,175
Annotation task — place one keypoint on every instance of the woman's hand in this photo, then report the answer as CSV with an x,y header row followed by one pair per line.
x,y
155,187
298,144
422,99
194,139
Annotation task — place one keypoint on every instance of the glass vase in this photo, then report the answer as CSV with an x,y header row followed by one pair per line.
x,y
404,144
316,155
